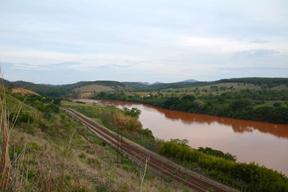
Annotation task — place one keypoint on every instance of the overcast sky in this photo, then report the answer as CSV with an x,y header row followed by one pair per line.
x,y
64,41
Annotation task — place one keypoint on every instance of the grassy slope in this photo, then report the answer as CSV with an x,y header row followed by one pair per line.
x,y
216,88
87,91
23,91
58,154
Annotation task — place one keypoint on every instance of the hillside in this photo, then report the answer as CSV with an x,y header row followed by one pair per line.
x,y
88,89
260,81
255,81
81,89
136,85
22,91
51,152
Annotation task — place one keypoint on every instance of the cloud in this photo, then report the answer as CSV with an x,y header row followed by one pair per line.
x,y
40,60
261,59
225,45
255,69
33,67
260,53
259,41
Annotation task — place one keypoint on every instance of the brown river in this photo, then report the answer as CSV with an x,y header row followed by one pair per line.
x,y
250,141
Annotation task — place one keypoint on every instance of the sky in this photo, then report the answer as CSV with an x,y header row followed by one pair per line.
x,y
65,41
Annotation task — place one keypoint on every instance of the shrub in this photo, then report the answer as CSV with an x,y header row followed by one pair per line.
x,y
22,117
134,112
125,122
217,153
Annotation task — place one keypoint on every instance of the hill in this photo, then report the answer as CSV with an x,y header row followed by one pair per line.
x,y
136,85
260,81
87,89
81,89
49,151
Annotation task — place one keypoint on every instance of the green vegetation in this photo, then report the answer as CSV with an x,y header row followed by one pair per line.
x,y
123,121
216,153
266,82
49,151
46,105
133,112
213,163
254,104
249,177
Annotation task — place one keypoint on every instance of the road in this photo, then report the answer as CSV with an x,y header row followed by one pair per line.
x,y
195,181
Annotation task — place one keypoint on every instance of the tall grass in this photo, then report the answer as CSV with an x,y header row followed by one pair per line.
x,y
9,180
142,176
5,165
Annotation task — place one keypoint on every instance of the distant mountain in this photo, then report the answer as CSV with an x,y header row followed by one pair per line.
x,y
172,85
190,81
136,85
156,83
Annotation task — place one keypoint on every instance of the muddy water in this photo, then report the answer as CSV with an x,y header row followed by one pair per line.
x,y
250,141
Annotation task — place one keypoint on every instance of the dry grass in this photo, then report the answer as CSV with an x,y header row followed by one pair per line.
x,y
144,173
10,180
5,165
87,91
23,91
82,164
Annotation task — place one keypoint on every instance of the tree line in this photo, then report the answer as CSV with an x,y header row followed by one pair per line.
x,y
269,106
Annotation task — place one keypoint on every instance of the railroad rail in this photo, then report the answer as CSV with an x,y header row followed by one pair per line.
x,y
194,180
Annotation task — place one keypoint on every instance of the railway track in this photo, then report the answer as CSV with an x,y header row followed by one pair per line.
x,y
160,164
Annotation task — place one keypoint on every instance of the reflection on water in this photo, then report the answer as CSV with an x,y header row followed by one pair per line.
x,y
240,126
250,141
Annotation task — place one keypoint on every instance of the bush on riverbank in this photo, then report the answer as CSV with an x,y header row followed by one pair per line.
x,y
250,177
